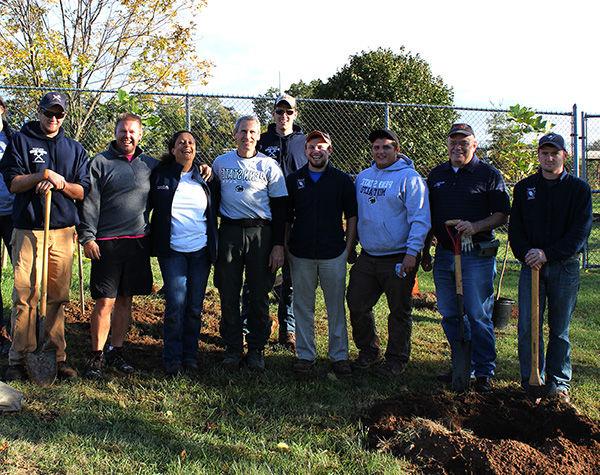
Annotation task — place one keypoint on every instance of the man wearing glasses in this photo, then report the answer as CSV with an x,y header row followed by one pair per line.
x,y
467,189
39,159
284,141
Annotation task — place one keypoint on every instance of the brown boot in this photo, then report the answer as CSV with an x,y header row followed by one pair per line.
x,y
64,371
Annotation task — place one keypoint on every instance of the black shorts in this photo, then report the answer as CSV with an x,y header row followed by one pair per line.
x,y
123,269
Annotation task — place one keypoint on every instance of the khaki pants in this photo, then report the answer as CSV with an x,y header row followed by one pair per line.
x,y
27,260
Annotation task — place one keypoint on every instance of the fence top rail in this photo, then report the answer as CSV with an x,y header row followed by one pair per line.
x,y
236,96
590,116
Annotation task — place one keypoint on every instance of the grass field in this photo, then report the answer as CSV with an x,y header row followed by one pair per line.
x,y
222,423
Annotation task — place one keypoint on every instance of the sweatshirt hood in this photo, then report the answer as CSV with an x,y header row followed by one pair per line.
x,y
33,129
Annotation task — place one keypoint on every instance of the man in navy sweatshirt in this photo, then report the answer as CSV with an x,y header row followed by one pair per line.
x,y
551,219
39,159
393,221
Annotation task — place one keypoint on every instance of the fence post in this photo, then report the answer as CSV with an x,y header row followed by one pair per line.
x,y
574,140
188,117
386,116
583,137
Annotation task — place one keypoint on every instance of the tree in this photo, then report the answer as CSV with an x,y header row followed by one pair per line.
x,y
383,76
98,44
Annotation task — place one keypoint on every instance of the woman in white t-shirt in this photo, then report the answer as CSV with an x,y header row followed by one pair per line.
x,y
183,236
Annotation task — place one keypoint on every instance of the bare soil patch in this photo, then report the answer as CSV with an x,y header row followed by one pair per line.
x,y
500,433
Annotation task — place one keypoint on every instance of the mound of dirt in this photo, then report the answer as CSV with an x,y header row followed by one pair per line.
x,y
499,433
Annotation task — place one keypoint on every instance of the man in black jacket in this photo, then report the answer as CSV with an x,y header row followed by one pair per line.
x,y
551,219
40,158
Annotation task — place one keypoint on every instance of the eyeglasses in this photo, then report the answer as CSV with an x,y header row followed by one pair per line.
x,y
284,111
50,114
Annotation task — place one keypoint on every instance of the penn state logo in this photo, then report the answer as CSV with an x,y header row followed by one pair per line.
x,y
38,154
239,188
530,193
272,151
372,200
300,183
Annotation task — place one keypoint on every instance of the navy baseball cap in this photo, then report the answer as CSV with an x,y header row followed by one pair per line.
x,y
462,129
54,99
553,140
383,134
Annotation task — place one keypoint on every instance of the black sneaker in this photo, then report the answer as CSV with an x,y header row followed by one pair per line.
x,y
255,360
64,371
95,366
482,384
116,361
16,373
365,361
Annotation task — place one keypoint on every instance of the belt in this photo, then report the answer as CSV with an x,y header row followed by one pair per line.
x,y
398,255
246,223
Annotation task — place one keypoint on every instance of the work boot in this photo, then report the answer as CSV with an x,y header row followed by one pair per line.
x,y
303,367
255,360
95,366
116,361
390,369
65,372
341,368
16,373
365,361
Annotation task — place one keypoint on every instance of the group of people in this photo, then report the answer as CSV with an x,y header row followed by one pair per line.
x,y
277,201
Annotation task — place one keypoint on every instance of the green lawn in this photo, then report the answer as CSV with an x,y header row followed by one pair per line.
x,y
222,423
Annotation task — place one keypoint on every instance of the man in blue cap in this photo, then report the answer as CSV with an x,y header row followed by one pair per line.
x,y
551,219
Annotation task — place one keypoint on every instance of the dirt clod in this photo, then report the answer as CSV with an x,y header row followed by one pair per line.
x,y
500,433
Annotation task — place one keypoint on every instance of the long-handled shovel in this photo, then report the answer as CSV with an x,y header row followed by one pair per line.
x,y
80,266
41,364
536,388
461,349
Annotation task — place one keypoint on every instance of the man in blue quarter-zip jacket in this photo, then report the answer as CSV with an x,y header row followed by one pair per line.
x,y
393,221
38,159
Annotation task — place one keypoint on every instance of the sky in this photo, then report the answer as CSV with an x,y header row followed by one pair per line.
x,y
542,54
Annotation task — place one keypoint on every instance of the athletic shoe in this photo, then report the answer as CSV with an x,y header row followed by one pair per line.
x,y
255,360
116,361
95,366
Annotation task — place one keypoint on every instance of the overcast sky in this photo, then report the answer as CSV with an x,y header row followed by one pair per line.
x,y
542,54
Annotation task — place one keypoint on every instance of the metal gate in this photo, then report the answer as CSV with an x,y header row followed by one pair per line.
x,y
590,172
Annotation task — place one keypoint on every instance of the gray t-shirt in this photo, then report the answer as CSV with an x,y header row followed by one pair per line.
x,y
247,184
6,197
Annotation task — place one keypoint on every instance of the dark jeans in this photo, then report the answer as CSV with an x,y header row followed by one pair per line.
x,y
244,249
369,278
185,275
559,284
6,229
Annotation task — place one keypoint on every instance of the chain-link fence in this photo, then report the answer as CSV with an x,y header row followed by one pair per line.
x,y
590,171
422,128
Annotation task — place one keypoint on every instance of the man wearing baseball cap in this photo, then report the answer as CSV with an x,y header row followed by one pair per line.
x,y
551,219
467,189
319,195
284,142
40,159
393,221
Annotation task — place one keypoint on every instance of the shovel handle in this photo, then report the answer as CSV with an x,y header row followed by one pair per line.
x,y
534,376
44,286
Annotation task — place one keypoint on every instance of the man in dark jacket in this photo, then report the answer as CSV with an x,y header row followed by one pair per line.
x,y
39,159
551,219
6,224
113,232
284,141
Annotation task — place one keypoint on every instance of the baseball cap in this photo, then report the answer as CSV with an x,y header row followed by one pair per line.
x,y
286,98
383,134
318,134
554,140
53,99
462,129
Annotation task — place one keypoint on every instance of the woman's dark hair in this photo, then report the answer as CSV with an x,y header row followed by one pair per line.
x,y
168,157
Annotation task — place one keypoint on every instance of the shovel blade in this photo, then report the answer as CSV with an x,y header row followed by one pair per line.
x,y
41,366
461,366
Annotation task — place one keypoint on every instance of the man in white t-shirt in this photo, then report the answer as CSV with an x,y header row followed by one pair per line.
x,y
252,209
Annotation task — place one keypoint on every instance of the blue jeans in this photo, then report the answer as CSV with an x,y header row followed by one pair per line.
x,y
185,275
478,289
559,284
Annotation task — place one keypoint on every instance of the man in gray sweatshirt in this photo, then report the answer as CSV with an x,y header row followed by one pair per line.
x,y
393,221
113,232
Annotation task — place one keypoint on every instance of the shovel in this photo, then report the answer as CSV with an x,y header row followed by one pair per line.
x,y
41,364
536,388
461,350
